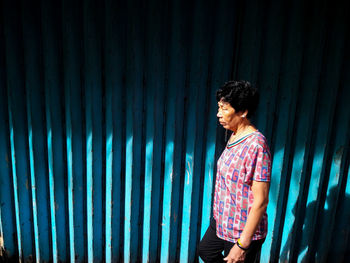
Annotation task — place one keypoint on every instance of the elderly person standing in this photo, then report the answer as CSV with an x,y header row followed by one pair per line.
x,y
239,226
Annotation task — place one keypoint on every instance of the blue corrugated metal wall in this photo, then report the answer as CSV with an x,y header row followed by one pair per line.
x,y
108,131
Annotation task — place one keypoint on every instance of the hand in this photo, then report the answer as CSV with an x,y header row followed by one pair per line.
x,y
236,255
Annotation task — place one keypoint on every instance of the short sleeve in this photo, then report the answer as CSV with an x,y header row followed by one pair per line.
x,y
258,165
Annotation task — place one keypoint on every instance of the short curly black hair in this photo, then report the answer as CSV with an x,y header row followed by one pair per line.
x,y
241,96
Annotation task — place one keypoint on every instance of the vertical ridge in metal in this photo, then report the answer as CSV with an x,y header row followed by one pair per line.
x,y
93,117
69,152
128,175
31,77
74,131
154,95
134,82
148,171
114,53
191,136
51,175
27,43
48,111
109,174
32,178
14,178
88,131
69,138
7,220
89,183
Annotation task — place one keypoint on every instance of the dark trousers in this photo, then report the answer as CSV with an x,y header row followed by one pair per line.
x,y
211,247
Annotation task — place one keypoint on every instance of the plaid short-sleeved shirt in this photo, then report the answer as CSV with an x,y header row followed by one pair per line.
x,y
240,163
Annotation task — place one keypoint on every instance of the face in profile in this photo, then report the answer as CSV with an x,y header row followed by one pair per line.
x,y
228,117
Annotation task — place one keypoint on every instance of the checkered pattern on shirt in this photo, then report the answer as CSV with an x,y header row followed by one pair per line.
x,y
237,167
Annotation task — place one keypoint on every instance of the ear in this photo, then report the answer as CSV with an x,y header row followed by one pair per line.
x,y
244,113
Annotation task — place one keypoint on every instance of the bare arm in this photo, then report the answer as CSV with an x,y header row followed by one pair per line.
x,y
261,198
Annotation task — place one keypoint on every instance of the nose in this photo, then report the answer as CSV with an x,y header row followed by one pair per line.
x,y
219,115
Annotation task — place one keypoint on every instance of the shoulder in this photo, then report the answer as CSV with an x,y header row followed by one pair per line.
x,y
258,142
258,139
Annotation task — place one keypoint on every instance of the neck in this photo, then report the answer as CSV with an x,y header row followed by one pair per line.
x,y
245,125
244,128
240,129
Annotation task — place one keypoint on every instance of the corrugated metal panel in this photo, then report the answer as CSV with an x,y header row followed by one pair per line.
x,y
109,138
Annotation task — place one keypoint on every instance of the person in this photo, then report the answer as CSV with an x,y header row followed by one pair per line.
x,y
239,224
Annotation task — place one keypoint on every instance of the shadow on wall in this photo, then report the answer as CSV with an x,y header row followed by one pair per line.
x,y
307,251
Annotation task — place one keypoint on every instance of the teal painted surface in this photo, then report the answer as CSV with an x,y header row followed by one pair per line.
x,y
108,129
